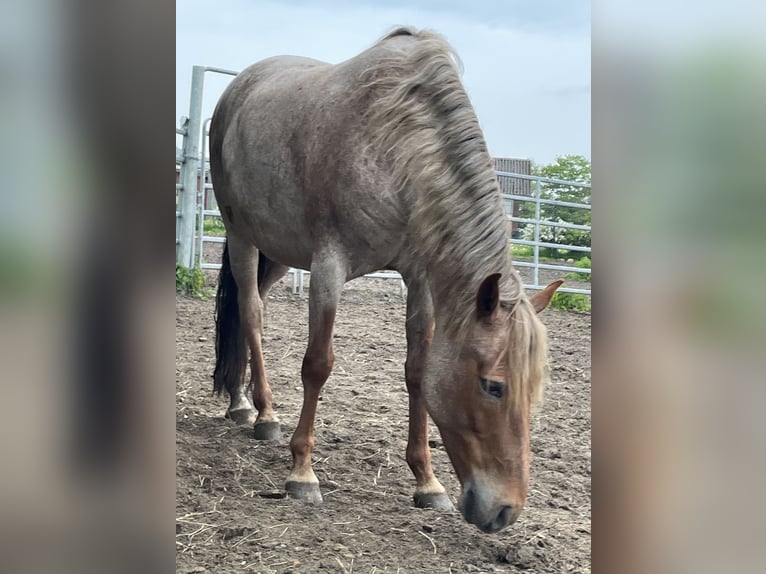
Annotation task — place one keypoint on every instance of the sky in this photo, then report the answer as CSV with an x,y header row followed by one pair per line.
x,y
526,62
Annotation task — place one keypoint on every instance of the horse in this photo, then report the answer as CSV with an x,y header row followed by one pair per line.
x,y
379,162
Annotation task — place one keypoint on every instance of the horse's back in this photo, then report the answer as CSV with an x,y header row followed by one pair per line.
x,y
255,79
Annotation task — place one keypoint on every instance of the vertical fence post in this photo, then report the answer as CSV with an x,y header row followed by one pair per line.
x,y
190,171
201,195
181,130
536,248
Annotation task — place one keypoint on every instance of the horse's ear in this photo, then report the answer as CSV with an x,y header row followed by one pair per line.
x,y
488,296
541,299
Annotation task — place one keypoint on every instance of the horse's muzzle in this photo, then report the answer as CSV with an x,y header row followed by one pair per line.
x,y
480,509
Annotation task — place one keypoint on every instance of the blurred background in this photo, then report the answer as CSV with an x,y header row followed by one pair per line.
x,y
679,329
87,346
86,250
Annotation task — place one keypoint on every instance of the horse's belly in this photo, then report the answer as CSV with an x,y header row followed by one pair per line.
x,y
296,246
290,235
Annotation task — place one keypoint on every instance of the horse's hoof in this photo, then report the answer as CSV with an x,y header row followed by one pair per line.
x,y
437,500
242,416
268,430
306,491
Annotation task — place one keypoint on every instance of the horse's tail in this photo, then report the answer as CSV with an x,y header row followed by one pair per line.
x,y
230,351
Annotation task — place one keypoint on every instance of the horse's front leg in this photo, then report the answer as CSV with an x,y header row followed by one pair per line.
x,y
429,493
328,276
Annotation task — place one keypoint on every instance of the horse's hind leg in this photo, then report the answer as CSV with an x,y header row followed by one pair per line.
x,y
244,264
327,279
429,493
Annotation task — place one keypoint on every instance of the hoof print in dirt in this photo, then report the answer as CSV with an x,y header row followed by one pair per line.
x,y
435,500
522,558
274,495
242,416
305,491
267,431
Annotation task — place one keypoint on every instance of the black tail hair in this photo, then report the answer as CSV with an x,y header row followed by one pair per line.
x,y
230,350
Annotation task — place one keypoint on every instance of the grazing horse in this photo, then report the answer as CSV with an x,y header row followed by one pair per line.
x,y
379,163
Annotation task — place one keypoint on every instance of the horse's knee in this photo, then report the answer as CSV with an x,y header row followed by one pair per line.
x,y
251,309
316,367
413,377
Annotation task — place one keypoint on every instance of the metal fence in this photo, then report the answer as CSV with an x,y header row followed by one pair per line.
x,y
540,185
191,211
193,169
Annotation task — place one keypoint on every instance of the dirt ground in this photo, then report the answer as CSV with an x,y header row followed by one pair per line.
x,y
232,515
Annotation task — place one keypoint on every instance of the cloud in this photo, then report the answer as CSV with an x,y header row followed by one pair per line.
x,y
534,15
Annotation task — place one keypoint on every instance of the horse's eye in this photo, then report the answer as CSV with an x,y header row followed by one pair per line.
x,y
493,388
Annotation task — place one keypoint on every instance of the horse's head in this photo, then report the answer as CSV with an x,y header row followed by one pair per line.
x,y
479,388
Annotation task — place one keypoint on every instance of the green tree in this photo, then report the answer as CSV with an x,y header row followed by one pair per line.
x,y
575,168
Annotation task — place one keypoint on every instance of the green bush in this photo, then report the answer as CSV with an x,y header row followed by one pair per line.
x,y
571,302
190,282
555,254
527,252
519,251
214,226
583,263
522,250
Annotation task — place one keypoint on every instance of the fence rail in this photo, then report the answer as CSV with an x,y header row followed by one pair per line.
x,y
191,210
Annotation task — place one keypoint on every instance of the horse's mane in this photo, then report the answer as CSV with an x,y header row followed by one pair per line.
x,y
421,120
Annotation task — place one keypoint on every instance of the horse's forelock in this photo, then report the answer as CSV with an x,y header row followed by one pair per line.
x,y
526,354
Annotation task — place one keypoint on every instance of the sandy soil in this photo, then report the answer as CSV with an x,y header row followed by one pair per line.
x,y
233,517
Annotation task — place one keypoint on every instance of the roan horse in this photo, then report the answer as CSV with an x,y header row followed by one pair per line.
x,y
379,163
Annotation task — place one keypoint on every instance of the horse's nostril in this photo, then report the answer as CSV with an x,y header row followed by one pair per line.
x,y
468,504
505,517
478,510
